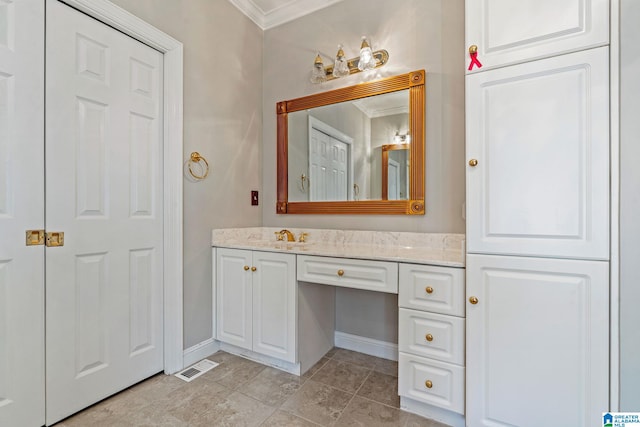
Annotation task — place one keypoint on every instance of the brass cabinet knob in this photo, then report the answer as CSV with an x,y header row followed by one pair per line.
x,y
473,48
340,273
246,268
253,269
429,289
473,162
473,300
428,384
429,337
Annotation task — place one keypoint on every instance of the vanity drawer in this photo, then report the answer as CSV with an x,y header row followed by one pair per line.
x,y
436,383
370,275
432,335
431,288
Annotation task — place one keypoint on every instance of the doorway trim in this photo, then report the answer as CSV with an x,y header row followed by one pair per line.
x,y
172,51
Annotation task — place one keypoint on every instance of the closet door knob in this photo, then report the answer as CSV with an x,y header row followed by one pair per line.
x,y
473,162
473,300
246,268
253,269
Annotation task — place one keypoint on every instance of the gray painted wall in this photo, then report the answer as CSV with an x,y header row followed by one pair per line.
x,y
418,34
223,122
629,208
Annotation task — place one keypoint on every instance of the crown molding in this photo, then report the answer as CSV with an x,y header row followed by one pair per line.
x,y
285,13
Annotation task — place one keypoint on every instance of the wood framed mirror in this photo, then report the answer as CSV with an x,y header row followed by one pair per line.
x,y
330,148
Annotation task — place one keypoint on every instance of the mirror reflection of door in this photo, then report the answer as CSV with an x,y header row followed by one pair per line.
x,y
393,180
330,169
395,172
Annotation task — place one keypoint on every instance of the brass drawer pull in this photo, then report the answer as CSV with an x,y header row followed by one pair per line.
x,y
429,337
473,163
246,268
473,300
428,384
253,268
340,273
429,290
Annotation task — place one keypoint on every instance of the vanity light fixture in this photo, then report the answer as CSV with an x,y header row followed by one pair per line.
x,y
402,139
366,61
318,74
342,67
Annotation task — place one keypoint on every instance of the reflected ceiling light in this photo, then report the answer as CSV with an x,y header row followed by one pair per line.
x,y
402,139
342,67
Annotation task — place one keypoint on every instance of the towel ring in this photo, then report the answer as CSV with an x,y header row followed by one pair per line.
x,y
196,158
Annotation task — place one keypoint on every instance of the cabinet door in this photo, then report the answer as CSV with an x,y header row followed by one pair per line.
x,y
233,295
275,305
507,32
537,341
540,134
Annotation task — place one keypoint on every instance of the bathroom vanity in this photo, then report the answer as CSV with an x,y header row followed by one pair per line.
x,y
275,303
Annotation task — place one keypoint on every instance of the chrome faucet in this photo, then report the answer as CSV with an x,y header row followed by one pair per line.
x,y
290,236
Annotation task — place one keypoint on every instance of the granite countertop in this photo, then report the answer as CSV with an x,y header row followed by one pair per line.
x,y
423,248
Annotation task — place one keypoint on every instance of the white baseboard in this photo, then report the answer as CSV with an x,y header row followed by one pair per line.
x,y
292,368
383,349
199,351
449,418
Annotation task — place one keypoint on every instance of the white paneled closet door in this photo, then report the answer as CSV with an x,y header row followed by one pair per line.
x,y
21,209
104,191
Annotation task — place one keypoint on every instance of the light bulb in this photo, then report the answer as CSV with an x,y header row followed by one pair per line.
x,y
318,74
340,67
367,61
397,139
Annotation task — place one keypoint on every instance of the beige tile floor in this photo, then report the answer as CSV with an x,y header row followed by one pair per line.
x,y
344,389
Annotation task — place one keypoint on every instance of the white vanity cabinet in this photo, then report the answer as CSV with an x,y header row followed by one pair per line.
x,y
256,294
431,338
508,32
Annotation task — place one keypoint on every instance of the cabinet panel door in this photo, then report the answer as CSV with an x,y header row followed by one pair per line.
x,y
537,341
540,134
233,295
275,305
508,32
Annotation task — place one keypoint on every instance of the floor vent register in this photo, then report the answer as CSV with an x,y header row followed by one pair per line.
x,y
194,371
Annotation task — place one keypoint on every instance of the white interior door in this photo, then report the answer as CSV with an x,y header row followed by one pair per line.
x,y
104,191
393,178
21,208
330,164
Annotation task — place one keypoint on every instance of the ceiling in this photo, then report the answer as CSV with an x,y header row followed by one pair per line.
x,y
271,13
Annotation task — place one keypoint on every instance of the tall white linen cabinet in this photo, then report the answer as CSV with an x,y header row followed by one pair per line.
x,y
538,206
